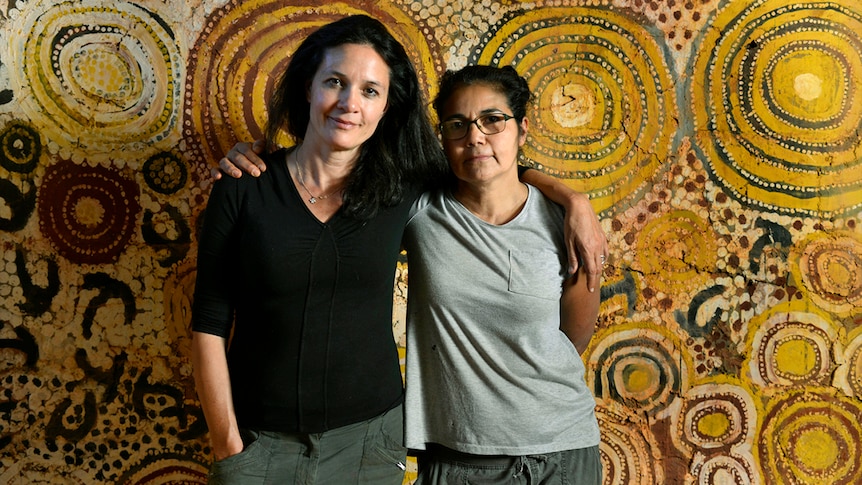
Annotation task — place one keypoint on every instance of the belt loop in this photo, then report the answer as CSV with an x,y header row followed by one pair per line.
x,y
541,458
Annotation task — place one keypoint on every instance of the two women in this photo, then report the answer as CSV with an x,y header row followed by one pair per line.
x,y
295,270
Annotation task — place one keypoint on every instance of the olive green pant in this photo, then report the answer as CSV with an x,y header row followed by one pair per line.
x,y
443,466
366,453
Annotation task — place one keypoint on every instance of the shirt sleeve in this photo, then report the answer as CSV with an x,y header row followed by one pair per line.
x,y
419,204
214,300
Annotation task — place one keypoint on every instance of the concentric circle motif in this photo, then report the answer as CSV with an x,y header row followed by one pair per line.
x,y
714,418
604,114
245,47
830,269
641,367
88,213
848,376
20,147
676,252
810,437
737,468
101,75
629,453
792,346
777,107
166,469
165,173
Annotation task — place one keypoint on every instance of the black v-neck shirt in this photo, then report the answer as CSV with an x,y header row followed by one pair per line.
x,y
312,346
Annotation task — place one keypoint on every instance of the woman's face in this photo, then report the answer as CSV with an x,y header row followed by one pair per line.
x,y
477,157
348,97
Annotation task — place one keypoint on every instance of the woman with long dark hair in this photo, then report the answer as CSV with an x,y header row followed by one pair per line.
x,y
296,267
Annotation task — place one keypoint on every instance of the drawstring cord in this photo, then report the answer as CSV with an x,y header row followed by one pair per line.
x,y
522,467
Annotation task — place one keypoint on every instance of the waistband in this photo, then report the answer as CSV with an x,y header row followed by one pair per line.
x,y
442,453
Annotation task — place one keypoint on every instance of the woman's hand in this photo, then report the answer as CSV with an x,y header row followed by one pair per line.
x,y
241,158
233,446
585,237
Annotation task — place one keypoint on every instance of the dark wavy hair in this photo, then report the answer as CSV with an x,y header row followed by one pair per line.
x,y
403,151
505,80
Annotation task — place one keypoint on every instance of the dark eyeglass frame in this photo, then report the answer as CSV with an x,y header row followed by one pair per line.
x,y
446,130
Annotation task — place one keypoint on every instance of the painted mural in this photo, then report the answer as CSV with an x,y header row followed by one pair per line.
x,y
719,140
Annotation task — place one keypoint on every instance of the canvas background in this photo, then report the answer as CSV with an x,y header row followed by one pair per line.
x,y
720,143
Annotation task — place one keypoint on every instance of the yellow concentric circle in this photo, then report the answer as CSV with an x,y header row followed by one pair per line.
x,y
830,269
640,366
100,76
603,118
777,109
792,345
676,251
812,437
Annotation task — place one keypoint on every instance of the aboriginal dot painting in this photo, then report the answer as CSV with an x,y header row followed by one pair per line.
x,y
719,141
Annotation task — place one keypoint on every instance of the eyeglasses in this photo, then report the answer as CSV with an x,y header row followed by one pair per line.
x,y
489,124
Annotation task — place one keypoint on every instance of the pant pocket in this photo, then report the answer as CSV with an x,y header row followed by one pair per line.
x,y
385,457
247,466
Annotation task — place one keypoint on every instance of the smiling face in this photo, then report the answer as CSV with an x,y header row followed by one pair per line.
x,y
348,97
478,158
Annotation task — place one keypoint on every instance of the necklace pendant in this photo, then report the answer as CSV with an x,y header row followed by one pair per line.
x,y
312,199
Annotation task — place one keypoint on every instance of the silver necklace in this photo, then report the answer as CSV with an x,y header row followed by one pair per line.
x,y
312,199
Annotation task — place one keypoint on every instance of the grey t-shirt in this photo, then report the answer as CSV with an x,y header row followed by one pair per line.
x,y
488,369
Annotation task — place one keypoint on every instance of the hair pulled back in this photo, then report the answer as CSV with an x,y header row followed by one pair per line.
x,y
504,80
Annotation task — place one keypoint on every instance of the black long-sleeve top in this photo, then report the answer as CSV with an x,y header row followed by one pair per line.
x,y
312,346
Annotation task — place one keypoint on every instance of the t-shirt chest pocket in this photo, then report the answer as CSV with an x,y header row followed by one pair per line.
x,y
536,272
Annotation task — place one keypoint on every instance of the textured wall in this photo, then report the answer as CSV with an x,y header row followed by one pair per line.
x,y
721,143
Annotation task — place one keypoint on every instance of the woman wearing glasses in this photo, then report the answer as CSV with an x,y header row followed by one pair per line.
x,y
495,382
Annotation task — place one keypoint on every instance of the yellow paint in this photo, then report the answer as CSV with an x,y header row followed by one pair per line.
x,y
829,269
842,277
816,449
621,140
675,249
761,129
713,424
638,378
104,74
89,211
573,105
811,82
796,357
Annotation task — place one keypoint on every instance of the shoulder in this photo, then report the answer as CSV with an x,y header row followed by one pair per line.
x,y
431,201
275,169
539,202
278,157
542,215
